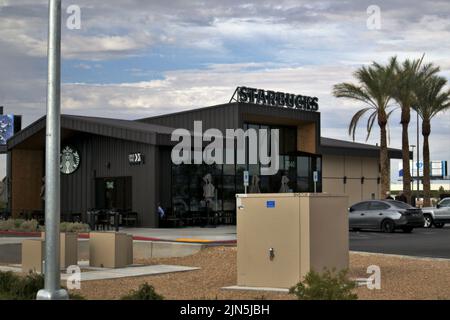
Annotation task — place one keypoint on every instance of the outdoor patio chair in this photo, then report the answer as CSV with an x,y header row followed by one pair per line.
x,y
102,221
172,220
75,217
39,216
130,218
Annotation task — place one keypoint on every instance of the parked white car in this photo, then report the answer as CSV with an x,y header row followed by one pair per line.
x,y
437,216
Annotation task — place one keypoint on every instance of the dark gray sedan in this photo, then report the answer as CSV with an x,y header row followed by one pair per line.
x,y
385,215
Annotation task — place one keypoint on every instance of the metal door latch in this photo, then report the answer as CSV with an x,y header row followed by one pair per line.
x,y
271,254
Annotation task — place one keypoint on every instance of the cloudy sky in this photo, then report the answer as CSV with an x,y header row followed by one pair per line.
x,y
136,58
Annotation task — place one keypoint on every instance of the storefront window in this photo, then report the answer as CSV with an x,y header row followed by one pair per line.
x,y
295,175
303,174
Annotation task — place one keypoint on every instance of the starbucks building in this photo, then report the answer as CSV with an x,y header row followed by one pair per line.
x,y
126,165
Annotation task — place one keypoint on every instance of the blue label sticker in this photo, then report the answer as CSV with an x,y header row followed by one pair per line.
x,y
270,204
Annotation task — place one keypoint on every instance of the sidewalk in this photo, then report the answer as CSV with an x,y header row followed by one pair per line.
x,y
221,234
10,246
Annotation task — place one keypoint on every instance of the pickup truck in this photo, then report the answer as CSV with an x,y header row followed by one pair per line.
x,y
437,216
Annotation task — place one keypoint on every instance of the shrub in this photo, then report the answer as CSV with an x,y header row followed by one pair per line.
x,y
16,287
76,227
328,285
145,292
17,224
22,225
65,227
27,287
29,226
75,296
6,280
7,225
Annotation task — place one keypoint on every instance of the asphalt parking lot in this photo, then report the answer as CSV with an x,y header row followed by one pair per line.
x,y
434,243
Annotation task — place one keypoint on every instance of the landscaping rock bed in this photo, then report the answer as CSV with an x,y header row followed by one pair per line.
x,y
401,278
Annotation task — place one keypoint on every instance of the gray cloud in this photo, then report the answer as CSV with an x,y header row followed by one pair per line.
x,y
316,44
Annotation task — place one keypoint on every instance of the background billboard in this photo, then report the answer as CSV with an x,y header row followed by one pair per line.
x,y
438,169
7,129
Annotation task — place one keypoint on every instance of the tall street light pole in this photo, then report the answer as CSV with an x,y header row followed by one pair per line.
x,y
52,290
418,156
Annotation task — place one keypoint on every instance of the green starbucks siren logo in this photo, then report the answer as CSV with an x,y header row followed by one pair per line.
x,y
70,160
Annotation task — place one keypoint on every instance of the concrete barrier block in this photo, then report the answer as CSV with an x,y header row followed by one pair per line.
x,y
32,255
108,250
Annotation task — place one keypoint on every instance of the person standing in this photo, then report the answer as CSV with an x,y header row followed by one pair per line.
x,y
161,214
401,197
388,196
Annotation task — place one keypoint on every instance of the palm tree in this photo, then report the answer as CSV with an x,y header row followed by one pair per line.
x,y
432,98
374,89
408,76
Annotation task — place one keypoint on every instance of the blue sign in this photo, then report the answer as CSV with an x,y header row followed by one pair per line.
x,y
246,178
6,128
270,204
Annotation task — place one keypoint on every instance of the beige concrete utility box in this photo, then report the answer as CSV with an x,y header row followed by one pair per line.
x,y
280,237
110,250
130,253
32,255
33,252
68,249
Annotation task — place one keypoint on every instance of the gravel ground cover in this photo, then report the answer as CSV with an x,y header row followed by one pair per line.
x,y
401,278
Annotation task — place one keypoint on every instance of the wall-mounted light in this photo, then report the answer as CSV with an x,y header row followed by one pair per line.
x,y
108,165
362,180
345,179
378,180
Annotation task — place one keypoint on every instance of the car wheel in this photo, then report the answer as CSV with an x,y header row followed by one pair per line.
x,y
388,226
428,223
407,229
439,225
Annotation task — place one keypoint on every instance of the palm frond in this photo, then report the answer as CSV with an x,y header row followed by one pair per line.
x,y
387,125
354,92
432,98
370,123
355,120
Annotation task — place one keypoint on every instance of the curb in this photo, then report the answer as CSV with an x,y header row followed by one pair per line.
x,y
22,234
400,256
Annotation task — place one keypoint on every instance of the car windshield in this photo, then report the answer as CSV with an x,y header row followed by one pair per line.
x,y
400,204
445,203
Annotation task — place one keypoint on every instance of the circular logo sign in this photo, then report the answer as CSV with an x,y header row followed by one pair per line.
x,y
69,160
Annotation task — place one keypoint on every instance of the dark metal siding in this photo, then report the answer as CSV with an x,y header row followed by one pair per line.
x,y
269,111
164,176
107,127
107,130
26,133
78,189
221,117
232,116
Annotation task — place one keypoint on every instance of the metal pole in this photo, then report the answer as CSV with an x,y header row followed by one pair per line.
x,y
418,157
412,166
52,290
